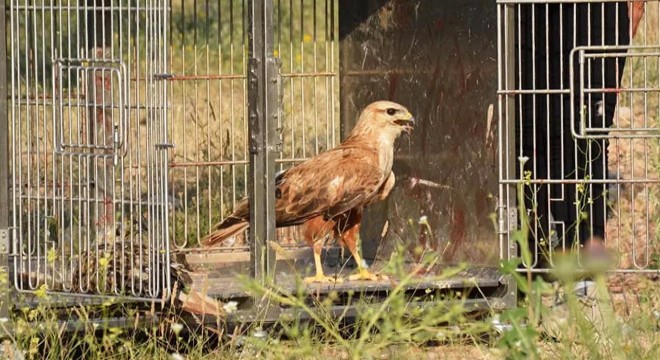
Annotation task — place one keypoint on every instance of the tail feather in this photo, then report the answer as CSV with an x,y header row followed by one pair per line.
x,y
228,228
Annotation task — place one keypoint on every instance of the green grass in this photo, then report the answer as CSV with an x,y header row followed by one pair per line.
x,y
391,329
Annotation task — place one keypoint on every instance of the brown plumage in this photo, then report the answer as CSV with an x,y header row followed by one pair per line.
x,y
328,192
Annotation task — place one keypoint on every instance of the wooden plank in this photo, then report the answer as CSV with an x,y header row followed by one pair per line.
x,y
226,285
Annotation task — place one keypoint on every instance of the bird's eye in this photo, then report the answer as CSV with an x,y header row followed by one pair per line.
x,y
391,111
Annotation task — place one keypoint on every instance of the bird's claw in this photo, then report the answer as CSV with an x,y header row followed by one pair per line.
x,y
322,279
366,275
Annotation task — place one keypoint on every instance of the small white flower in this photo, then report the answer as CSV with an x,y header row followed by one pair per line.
x,y
177,328
423,220
230,307
176,356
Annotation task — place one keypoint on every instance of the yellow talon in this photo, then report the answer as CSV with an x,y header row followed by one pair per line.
x,y
364,274
320,277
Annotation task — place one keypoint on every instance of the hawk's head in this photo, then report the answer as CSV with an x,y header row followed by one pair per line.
x,y
385,117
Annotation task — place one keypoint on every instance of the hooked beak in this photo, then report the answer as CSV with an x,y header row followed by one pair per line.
x,y
407,121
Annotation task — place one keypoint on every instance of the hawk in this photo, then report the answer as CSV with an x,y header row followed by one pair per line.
x,y
327,193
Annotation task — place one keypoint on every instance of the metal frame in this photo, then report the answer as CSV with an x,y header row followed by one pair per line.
x,y
92,202
629,141
263,116
262,80
5,290
275,69
507,215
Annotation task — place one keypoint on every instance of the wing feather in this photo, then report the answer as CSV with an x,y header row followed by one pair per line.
x,y
327,185
332,184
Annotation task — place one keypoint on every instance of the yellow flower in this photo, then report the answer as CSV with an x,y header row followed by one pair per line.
x,y
52,255
103,262
40,293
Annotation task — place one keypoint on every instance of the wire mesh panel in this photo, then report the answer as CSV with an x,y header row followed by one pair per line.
x,y
209,166
88,146
579,88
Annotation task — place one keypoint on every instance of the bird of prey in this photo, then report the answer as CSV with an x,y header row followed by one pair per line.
x,y
328,192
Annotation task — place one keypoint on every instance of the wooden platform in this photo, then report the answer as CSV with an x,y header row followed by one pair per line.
x,y
224,284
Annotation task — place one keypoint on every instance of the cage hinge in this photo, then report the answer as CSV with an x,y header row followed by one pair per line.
x,y
513,224
164,146
4,241
163,76
277,108
272,104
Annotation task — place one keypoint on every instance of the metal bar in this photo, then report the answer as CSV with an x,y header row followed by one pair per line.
x,y
544,2
350,311
309,74
506,129
100,123
581,181
513,91
5,284
74,8
584,135
100,324
588,55
617,91
262,122
67,298
164,229
240,76
579,272
228,162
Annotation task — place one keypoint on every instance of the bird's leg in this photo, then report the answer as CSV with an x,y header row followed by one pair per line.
x,y
315,232
320,277
350,237
363,273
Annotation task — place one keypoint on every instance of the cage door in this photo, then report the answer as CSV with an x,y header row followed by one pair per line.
x,y
640,87
89,142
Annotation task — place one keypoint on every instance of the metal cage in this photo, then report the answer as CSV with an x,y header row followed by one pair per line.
x,y
209,116
329,59
135,126
579,102
88,147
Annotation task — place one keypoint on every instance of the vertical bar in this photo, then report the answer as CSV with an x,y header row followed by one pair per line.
x,y
164,90
508,216
262,121
99,94
512,56
4,171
